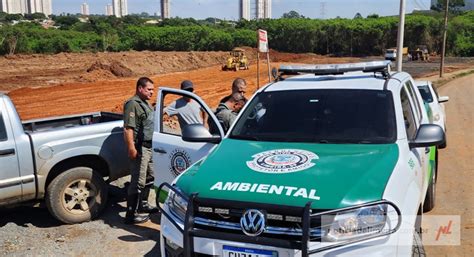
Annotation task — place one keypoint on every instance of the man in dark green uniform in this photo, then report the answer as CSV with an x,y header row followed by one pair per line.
x,y
138,134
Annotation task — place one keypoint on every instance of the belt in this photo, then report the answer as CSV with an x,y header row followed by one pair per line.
x,y
147,144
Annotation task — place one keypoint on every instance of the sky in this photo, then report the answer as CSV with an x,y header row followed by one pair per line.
x,y
228,9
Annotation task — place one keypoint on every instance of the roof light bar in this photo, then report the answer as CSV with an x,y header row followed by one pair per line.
x,y
333,69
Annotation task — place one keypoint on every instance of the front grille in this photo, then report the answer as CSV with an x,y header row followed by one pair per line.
x,y
278,225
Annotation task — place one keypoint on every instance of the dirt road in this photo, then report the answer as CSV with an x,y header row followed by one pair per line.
x,y
455,194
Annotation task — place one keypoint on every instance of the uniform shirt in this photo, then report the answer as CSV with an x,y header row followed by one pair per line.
x,y
225,116
225,99
138,114
187,112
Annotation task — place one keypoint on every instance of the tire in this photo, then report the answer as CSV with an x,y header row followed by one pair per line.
x,y
82,186
418,250
430,198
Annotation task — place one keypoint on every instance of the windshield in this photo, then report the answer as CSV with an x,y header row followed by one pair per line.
x,y
319,116
425,94
390,51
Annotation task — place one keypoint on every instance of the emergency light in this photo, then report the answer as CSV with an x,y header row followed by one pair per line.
x,y
336,69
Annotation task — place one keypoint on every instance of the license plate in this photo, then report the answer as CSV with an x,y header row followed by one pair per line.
x,y
232,251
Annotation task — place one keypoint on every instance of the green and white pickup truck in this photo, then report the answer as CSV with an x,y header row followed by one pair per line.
x,y
338,160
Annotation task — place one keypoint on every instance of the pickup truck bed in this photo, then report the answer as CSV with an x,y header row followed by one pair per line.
x,y
63,160
62,122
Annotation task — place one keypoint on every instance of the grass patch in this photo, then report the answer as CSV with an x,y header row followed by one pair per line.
x,y
441,82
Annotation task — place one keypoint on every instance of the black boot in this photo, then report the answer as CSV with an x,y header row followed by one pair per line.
x,y
131,217
143,206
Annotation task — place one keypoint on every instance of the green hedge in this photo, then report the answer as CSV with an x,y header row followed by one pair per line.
x,y
340,37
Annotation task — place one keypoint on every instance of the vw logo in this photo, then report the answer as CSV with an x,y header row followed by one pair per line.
x,y
252,222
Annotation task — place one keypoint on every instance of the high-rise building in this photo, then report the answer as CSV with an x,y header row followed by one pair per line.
x,y
120,8
264,9
267,9
13,6
109,10
244,9
40,6
259,8
165,9
84,9
3,6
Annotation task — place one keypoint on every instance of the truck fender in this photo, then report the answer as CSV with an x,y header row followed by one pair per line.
x,y
44,170
409,208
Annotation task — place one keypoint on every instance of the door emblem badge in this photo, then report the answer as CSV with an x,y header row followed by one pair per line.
x,y
252,222
179,161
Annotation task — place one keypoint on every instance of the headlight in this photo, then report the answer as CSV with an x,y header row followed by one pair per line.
x,y
362,222
177,205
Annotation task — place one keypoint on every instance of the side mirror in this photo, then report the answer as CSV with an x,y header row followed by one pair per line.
x,y
199,133
443,99
428,135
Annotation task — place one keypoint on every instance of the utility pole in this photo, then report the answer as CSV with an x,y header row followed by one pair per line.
x,y
401,31
443,48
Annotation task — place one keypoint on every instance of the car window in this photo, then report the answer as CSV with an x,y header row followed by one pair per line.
x,y
411,91
178,111
425,94
319,116
3,129
408,116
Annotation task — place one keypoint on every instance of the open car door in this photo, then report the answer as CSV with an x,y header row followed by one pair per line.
x,y
171,154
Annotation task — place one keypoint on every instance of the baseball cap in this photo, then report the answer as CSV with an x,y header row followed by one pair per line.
x,y
187,85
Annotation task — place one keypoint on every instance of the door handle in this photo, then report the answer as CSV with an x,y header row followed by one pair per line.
x,y
7,152
159,150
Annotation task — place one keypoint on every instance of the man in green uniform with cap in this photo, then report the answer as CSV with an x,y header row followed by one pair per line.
x,y
138,134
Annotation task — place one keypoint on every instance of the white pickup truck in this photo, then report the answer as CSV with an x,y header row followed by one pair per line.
x,y
62,159
339,160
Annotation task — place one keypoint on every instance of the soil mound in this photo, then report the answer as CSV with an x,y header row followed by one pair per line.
x,y
115,67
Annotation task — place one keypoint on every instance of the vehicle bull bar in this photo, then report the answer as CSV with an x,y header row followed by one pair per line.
x,y
189,231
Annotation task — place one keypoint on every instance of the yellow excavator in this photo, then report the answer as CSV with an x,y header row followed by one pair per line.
x,y
237,60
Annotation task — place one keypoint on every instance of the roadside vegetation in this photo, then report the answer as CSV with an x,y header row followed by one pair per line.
x,y
338,37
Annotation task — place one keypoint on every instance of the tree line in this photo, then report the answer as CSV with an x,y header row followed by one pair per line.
x,y
338,37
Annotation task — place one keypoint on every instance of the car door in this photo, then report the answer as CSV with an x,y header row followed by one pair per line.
x,y
425,118
439,112
10,180
171,154
412,124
